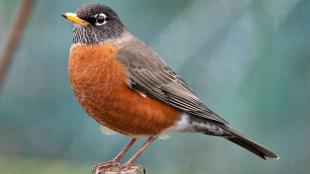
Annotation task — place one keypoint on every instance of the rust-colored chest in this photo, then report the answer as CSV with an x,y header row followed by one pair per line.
x,y
99,82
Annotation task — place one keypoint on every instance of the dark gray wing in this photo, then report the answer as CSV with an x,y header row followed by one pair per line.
x,y
149,74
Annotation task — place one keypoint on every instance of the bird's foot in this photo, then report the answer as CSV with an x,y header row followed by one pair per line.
x,y
112,165
133,167
115,167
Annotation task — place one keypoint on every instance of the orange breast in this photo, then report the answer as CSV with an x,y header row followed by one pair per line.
x,y
99,82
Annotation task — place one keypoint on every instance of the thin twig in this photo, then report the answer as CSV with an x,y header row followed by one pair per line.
x,y
14,37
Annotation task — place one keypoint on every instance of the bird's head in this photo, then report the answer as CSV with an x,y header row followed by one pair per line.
x,y
94,23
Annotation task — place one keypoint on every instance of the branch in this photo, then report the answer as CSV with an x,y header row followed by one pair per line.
x,y
14,38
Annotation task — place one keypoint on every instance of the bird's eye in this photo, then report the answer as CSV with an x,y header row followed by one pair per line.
x,y
101,19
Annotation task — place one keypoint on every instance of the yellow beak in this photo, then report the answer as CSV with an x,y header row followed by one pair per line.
x,y
72,17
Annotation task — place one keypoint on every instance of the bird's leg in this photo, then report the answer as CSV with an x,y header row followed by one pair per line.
x,y
116,161
120,155
148,142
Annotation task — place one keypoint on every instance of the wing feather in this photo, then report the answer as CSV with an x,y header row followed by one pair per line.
x,y
149,74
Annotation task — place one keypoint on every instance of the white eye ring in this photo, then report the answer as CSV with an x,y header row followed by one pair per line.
x,y
102,17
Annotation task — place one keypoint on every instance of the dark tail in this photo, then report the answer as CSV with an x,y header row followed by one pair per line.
x,y
249,144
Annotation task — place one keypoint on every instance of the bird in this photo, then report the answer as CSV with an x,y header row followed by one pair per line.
x,y
126,86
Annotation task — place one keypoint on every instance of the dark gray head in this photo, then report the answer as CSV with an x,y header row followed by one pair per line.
x,y
94,23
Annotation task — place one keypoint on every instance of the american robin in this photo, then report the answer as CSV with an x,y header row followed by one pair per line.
x,y
126,86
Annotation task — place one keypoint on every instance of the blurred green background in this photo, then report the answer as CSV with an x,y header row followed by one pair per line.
x,y
249,60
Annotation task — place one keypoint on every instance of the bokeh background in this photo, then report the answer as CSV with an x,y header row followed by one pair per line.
x,y
249,60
